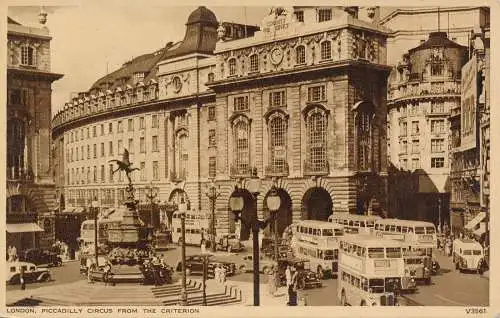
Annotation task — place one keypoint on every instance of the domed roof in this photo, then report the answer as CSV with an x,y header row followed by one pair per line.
x,y
202,14
437,39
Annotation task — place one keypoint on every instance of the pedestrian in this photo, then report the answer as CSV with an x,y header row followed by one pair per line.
x,y
14,253
222,274
288,276
271,282
90,267
217,273
203,246
107,272
292,289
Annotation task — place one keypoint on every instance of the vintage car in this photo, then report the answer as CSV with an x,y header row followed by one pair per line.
x,y
40,257
32,273
246,264
228,242
468,255
306,278
194,265
418,267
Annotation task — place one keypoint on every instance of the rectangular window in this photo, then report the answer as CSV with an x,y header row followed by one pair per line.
x,y
212,141
142,145
102,129
110,179
95,174
88,175
415,163
403,163
120,147
254,63
95,151
94,131
404,146
211,113
277,99
102,174
77,155
212,166
131,145
102,150
437,126
110,150
299,16
156,175
316,93
437,162
120,126
154,121
131,124
403,128
241,103
437,107
437,145
143,171
324,15
82,153
141,123
110,128
154,143
88,151
415,145
415,128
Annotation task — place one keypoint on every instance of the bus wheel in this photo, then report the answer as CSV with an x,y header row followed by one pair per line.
x,y
343,299
243,269
319,271
363,303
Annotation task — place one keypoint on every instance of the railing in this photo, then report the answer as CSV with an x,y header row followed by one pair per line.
x,y
22,217
20,174
277,171
241,172
424,88
318,169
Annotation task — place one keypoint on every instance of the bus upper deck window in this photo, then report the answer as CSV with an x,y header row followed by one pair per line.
x,y
419,230
393,228
387,228
404,229
327,232
398,228
410,230
430,230
356,223
351,223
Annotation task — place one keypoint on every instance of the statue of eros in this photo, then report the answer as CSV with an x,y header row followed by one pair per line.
x,y
124,165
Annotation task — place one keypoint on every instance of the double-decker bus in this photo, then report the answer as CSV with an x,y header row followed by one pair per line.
x,y
370,271
322,259
196,224
354,223
87,230
318,232
417,235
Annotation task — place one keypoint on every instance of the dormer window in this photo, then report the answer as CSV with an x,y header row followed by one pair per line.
x,y
324,15
28,56
232,67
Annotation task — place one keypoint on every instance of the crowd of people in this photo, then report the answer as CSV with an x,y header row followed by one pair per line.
x,y
156,270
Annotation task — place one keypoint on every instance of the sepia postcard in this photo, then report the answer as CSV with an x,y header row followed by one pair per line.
x,y
237,160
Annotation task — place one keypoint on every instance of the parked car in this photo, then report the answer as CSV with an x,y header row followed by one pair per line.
x,y
246,264
306,278
40,257
32,273
194,265
229,242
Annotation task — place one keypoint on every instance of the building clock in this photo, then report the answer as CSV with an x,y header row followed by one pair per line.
x,y
276,55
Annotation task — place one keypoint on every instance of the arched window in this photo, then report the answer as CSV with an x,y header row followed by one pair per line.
x,y
316,123
241,147
326,50
28,56
232,67
254,63
300,54
363,122
277,143
182,156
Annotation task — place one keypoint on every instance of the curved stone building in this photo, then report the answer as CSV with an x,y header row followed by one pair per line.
x,y
424,88
302,102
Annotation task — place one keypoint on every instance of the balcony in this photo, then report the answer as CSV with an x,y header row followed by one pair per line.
x,y
19,174
316,169
22,217
241,171
277,171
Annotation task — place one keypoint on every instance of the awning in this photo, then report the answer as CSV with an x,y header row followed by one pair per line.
x,y
480,231
68,210
23,227
475,221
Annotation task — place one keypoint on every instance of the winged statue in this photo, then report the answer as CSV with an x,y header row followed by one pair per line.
x,y
124,165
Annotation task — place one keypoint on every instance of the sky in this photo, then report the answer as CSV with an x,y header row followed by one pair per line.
x,y
94,37
90,38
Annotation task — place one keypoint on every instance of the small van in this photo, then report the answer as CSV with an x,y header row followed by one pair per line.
x,y
468,255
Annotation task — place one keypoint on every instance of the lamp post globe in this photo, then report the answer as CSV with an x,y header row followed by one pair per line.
x,y
273,204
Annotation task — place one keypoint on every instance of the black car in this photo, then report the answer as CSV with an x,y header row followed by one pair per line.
x,y
40,257
306,278
194,265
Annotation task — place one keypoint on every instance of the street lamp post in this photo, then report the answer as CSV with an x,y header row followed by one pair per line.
x,y
182,210
236,204
439,214
151,195
95,207
212,194
273,204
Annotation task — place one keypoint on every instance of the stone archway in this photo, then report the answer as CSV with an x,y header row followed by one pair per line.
x,y
317,204
176,195
284,214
